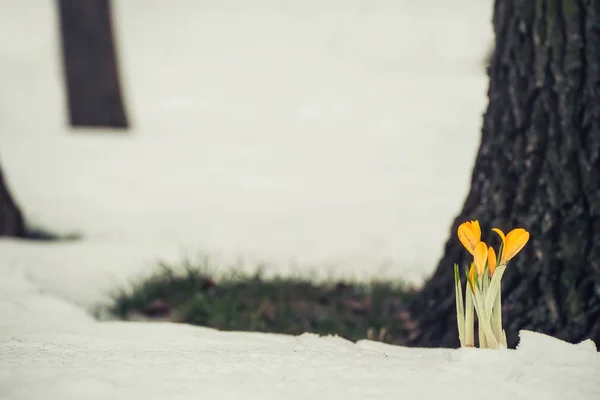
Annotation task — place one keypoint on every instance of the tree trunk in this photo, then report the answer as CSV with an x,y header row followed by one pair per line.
x,y
538,167
11,219
90,65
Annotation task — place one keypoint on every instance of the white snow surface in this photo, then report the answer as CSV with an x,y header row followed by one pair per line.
x,y
77,358
338,135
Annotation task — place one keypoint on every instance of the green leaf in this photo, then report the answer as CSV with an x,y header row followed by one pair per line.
x,y
460,312
485,278
456,275
482,340
491,340
493,289
496,319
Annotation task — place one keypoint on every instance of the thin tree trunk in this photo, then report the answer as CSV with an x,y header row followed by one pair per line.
x,y
90,64
538,167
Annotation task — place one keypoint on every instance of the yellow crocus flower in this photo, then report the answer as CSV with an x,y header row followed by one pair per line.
x,y
469,234
480,256
513,242
491,260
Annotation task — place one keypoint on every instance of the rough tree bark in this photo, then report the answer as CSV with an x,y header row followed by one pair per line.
x,y
538,167
90,64
11,219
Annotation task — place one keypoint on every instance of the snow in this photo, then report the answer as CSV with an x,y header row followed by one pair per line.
x,y
333,135
126,360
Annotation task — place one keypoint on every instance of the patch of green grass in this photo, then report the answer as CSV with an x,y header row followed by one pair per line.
x,y
250,302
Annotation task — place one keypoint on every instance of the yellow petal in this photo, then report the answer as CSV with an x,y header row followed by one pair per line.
x,y
469,234
480,257
472,276
514,242
499,232
491,260
476,229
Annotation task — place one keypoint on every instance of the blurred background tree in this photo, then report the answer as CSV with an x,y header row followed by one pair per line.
x,y
90,64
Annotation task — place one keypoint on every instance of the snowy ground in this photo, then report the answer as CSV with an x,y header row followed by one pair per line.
x,y
332,134
50,349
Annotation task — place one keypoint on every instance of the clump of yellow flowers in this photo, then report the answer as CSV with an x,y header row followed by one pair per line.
x,y
483,290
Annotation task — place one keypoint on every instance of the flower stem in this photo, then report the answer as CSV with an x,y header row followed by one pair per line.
x,y
469,319
497,319
489,335
482,340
